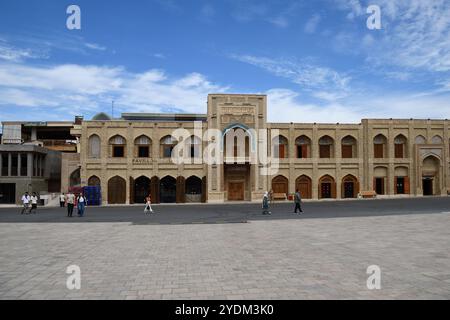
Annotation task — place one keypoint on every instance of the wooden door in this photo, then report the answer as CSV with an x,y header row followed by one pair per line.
x,y
325,190
236,191
304,187
116,190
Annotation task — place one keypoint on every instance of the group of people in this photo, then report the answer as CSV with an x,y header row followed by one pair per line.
x,y
267,201
80,202
28,200
72,200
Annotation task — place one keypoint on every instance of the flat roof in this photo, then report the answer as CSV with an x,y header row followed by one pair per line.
x,y
164,116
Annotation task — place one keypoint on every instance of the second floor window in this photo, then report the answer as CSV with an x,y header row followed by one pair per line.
x,y
118,144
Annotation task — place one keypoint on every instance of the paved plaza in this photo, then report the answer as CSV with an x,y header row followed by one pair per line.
x,y
230,251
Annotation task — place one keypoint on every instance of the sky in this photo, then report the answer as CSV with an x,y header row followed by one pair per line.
x,y
317,61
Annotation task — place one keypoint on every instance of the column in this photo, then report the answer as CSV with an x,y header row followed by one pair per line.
x,y
1,164
33,134
9,164
30,165
19,164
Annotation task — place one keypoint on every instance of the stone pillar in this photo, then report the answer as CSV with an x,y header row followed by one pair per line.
x,y
33,134
19,164
30,159
9,164
315,159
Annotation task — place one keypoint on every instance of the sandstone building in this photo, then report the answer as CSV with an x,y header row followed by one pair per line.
x,y
130,157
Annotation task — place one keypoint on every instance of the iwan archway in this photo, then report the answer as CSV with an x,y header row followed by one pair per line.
x,y
431,176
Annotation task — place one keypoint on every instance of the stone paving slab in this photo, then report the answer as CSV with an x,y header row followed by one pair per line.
x,y
274,259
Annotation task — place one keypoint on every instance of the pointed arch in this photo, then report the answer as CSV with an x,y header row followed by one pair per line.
x,y
117,190
349,147
400,147
349,186
326,147
304,185
327,187
303,147
280,184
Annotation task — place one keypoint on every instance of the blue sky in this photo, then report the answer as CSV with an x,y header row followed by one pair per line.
x,y
316,60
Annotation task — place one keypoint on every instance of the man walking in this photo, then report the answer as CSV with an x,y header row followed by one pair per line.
x,y
265,203
298,202
34,201
62,200
25,202
70,199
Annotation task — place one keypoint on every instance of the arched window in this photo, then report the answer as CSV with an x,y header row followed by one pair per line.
x,y
420,140
437,140
143,146
348,145
94,147
400,146
326,147
303,144
117,144
236,144
167,145
93,181
379,146
194,145
280,147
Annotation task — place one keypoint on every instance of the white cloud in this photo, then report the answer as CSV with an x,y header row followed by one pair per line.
x,y
13,54
312,23
76,88
95,46
309,76
415,35
285,105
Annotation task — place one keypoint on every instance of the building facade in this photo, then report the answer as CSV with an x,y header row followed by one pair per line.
x,y
131,157
31,158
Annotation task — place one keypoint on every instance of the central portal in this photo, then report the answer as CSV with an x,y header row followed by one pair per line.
x,y
237,182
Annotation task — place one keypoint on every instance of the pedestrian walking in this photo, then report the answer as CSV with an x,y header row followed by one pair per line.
x,y
298,202
70,200
148,205
265,204
25,203
62,200
81,204
34,201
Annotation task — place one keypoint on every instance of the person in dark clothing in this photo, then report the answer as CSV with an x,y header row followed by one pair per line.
x,y
265,204
298,202
70,199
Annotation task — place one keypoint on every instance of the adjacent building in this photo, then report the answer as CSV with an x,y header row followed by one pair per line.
x,y
31,155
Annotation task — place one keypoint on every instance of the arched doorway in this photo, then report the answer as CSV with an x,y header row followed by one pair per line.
x,y
117,190
327,187
430,176
168,190
350,187
304,185
94,181
193,189
280,184
141,189
75,178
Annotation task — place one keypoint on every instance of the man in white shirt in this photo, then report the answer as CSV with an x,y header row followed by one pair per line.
x,y
70,199
34,201
62,200
25,202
